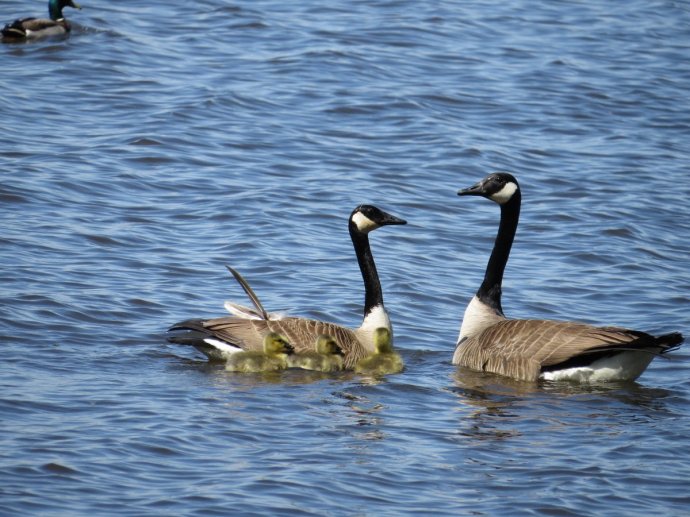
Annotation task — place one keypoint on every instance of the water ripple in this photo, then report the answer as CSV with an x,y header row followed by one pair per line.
x,y
158,143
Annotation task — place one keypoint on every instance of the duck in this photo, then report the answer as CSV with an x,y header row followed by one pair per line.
x,y
384,360
273,357
218,337
31,28
327,356
535,349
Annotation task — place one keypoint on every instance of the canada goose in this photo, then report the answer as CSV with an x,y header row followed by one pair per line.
x,y
541,349
219,337
273,357
30,28
384,360
327,356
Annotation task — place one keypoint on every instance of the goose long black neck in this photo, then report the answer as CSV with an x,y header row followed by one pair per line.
x,y
490,290
373,295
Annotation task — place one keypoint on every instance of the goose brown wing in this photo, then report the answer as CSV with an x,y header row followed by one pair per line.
x,y
522,348
244,333
299,332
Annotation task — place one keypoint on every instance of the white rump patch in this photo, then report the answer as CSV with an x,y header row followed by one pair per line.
x,y
626,366
504,195
363,223
222,348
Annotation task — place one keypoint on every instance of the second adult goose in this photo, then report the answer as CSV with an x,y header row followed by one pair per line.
x,y
534,349
219,337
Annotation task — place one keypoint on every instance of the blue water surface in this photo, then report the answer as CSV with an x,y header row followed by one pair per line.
x,y
160,141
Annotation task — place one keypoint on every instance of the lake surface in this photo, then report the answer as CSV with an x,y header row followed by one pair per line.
x,y
159,142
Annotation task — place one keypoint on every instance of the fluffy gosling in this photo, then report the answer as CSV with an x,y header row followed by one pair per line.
x,y
327,356
384,360
273,358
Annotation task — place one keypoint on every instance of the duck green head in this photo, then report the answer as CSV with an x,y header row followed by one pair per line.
x,y
382,341
55,7
326,345
274,343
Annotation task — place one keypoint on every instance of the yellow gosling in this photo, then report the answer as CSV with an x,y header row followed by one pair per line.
x,y
273,358
384,360
326,357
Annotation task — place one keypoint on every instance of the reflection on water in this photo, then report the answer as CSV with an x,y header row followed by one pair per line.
x,y
487,401
498,408
130,182
356,413
365,414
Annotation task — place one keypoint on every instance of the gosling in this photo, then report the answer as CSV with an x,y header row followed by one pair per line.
x,y
384,360
273,358
327,356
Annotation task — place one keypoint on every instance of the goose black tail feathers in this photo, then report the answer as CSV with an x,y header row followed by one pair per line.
x,y
195,336
669,342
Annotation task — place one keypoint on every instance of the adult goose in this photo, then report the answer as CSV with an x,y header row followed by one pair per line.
x,y
30,28
220,337
541,349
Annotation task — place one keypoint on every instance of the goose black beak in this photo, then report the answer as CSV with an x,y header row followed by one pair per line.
x,y
391,219
289,349
475,190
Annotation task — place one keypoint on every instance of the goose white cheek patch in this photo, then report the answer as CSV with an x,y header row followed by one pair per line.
x,y
504,195
363,223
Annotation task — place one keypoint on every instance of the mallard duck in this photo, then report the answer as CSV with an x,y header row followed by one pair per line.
x,y
273,357
30,28
384,360
327,356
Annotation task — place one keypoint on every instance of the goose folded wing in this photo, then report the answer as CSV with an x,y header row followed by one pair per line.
x,y
523,348
299,332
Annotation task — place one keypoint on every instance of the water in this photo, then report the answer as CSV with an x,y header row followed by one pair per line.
x,y
160,142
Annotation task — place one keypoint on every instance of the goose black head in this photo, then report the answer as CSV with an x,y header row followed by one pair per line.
x,y
366,218
499,187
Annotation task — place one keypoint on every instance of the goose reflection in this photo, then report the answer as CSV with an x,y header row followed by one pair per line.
x,y
499,408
